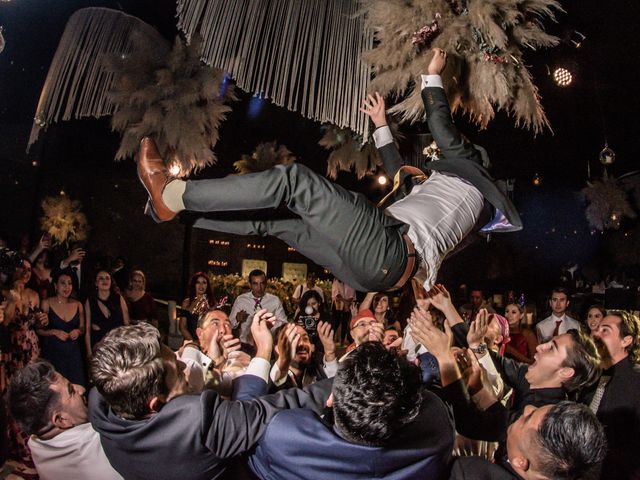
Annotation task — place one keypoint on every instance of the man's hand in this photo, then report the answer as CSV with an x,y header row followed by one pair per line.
x,y
440,298
229,344
242,316
76,256
438,61
376,332
478,329
425,332
287,346
374,107
325,332
261,332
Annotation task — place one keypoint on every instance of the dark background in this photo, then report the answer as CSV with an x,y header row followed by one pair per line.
x,y
77,156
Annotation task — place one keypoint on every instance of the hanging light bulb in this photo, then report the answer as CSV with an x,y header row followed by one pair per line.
x,y
174,170
537,180
382,180
562,76
607,156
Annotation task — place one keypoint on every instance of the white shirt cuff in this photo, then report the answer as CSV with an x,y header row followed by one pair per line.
x,y
431,81
331,368
275,373
382,136
260,368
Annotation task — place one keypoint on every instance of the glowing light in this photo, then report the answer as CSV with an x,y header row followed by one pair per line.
x,y
537,180
174,170
562,77
382,180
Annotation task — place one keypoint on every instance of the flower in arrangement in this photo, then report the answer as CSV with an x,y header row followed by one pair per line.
x,y
266,155
423,37
63,220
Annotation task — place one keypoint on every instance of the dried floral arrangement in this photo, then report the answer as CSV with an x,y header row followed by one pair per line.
x,y
266,155
64,220
169,94
484,39
609,201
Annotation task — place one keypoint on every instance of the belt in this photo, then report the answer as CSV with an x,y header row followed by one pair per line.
x,y
412,266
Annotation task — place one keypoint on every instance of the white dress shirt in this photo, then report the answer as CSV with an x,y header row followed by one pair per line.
x,y
546,327
74,453
247,303
440,212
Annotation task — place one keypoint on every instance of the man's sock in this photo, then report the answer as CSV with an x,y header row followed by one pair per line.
x,y
172,195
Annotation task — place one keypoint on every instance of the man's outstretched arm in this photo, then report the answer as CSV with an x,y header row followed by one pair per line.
x,y
374,106
436,105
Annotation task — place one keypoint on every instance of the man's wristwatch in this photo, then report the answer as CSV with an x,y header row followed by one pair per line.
x,y
480,349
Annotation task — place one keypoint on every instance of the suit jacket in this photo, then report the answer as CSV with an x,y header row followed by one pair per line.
x,y
458,157
194,435
619,412
301,445
476,468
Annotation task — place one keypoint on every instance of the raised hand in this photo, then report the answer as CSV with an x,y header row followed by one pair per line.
x,y
229,344
426,333
373,106
261,332
325,333
438,61
478,329
439,297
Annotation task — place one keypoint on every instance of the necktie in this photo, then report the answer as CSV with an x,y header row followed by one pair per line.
x,y
557,329
597,397
258,305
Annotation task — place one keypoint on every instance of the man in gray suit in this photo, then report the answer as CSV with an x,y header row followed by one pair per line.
x,y
427,216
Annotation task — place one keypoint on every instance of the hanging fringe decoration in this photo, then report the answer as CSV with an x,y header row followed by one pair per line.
x,y
304,55
77,83
171,95
266,155
484,40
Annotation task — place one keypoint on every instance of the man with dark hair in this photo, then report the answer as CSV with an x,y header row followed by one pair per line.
x,y
248,303
616,398
558,322
53,411
150,428
559,441
385,426
371,249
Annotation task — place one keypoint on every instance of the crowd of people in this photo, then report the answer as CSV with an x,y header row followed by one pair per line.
x,y
257,392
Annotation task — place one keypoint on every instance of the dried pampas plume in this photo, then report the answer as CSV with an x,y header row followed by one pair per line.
x,y
170,95
484,40
64,220
608,204
266,155
349,153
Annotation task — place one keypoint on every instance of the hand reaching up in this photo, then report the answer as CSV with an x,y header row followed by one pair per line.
x,y
261,332
374,107
438,62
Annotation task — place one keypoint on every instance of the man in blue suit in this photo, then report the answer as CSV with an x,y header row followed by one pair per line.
x,y
384,424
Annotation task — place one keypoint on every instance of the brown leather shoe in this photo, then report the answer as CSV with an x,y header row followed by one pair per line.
x,y
153,175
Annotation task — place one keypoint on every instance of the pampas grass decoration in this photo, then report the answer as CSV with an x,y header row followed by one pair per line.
x,y
64,220
170,95
484,40
608,204
266,155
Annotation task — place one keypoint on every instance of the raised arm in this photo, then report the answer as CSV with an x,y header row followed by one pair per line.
x,y
436,105
374,107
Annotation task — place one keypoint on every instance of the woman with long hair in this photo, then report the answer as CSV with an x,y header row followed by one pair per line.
x,y
595,314
378,303
105,310
61,339
199,300
522,346
142,306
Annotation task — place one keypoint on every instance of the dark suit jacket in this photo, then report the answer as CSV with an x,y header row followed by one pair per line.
x,y
298,444
458,157
194,435
619,412
476,468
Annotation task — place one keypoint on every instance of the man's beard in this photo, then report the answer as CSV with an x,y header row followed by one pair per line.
x,y
300,364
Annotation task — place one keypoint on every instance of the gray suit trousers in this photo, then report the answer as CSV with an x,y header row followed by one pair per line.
x,y
338,229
